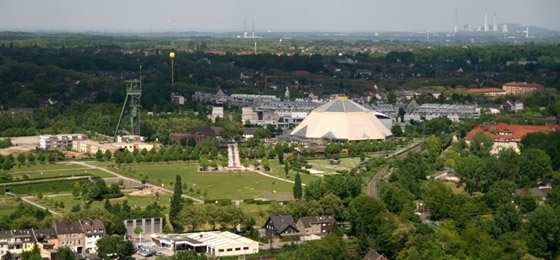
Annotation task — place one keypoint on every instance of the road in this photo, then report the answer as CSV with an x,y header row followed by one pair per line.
x,y
373,191
131,179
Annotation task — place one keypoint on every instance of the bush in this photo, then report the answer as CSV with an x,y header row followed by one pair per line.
x,y
220,202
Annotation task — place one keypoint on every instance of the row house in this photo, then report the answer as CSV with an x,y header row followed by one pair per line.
x,y
59,141
23,240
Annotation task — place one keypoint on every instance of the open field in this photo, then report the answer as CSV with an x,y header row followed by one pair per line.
x,y
21,144
7,205
207,185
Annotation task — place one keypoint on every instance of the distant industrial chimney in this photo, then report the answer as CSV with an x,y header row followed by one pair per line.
x,y
504,28
455,29
253,35
495,27
485,20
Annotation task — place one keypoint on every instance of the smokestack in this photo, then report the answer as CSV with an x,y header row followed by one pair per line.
x,y
485,20
495,28
253,35
244,29
455,29
255,47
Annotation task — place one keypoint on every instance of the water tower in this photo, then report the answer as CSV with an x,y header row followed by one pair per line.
x,y
133,92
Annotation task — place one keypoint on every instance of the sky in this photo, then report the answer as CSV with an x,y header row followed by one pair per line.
x,y
271,15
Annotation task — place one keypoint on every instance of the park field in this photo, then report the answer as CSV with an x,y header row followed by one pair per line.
x,y
43,171
213,185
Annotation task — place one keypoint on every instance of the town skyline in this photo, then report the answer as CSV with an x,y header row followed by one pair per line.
x,y
287,16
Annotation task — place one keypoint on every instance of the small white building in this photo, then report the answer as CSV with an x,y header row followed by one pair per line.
x,y
214,243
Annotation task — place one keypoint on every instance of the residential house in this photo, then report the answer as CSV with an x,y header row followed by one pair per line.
x,y
71,235
278,228
6,243
315,225
24,240
374,255
94,230
47,241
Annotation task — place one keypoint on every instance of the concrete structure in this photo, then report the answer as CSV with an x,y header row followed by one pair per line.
x,y
59,141
342,119
148,225
233,156
215,243
516,88
507,136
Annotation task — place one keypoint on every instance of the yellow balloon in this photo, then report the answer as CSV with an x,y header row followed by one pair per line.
x,y
172,55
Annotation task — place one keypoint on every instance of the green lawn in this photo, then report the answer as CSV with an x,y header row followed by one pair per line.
x,y
69,201
7,205
216,185
59,173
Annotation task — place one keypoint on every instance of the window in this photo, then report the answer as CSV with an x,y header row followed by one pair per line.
x,y
220,250
238,249
246,248
229,249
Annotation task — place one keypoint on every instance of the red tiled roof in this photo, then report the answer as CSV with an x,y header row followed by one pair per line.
x,y
511,132
485,90
524,84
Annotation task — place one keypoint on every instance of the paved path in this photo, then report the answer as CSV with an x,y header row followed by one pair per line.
x,y
131,179
27,199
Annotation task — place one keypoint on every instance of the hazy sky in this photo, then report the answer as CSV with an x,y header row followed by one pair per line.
x,y
268,15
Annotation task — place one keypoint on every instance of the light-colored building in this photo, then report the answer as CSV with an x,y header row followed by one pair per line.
x,y
507,136
248,115
94,230
59,141
215,243
521,87
488,91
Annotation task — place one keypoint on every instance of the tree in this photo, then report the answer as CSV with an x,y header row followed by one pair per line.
x,y
99,155
333,205
108,155
64,252
471,172
507,218
543,238
192,217
298,192
481,144
176,204
396,130
9,256
188,255
365,214
286,168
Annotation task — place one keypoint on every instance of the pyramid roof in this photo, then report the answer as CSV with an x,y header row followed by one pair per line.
x,y
342,119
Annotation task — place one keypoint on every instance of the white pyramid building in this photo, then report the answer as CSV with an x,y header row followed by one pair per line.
x,y
342,119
